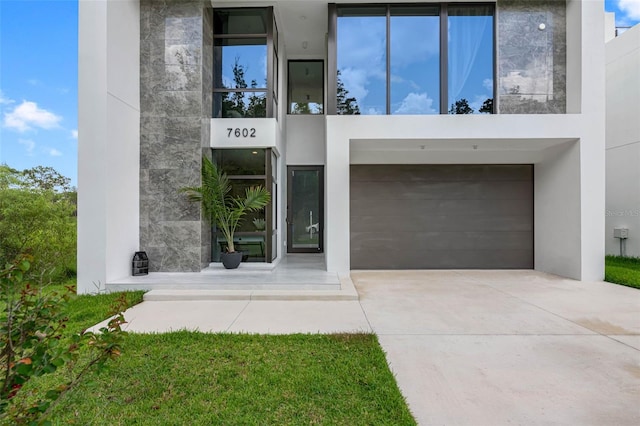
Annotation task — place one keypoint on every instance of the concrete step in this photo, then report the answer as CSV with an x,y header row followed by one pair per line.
x,y
343,291
200,295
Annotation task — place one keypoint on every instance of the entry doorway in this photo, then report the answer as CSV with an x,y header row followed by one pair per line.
x,y
305,209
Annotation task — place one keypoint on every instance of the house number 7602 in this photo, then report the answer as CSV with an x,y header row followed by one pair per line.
x,y
241,133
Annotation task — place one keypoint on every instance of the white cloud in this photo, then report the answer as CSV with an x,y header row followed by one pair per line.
x,y
487,83
5,101
54,152
28,115
362,44
361,56
74,134
34,82
416,103
477,102
406,48
355,81
630,7
28,144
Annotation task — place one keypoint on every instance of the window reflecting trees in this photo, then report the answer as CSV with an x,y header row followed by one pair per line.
x,y
306,87
243,40
470,58
398,59
362,57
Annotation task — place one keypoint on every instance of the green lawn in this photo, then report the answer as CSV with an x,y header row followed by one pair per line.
x,y
230,379
623,270
86,310
206,379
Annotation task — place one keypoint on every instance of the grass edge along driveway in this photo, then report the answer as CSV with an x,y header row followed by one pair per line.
x,y
201,378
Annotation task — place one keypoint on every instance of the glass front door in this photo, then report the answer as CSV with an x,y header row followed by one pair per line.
x,y
305,209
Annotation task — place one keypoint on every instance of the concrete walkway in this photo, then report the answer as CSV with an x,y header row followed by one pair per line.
x,y
467,347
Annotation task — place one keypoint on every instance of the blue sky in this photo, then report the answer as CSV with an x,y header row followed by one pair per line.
x,y
38,80
38,84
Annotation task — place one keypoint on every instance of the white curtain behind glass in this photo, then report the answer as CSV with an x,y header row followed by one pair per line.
x,y
465,38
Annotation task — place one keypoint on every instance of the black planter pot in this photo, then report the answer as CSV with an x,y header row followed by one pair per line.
x,y
231,260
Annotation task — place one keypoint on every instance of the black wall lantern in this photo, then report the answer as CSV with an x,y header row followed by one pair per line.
x,y
140,264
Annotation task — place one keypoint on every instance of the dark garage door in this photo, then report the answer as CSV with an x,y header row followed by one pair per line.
x,y
441,216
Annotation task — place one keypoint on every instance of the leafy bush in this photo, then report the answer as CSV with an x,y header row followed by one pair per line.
x,y
33,343
37,216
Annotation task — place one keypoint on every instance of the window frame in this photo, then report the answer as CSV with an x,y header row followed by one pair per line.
x,y
332,56
269,90
321,61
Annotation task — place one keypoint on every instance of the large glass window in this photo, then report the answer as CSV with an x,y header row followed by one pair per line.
x,y
362,60
306,87
470,87
246,168
412,59
415,60
244,51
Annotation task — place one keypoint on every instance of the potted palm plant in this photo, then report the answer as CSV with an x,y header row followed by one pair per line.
x,y
224,210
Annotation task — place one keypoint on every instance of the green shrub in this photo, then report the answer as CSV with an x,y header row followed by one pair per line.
x,y
36,218
33,343
623,270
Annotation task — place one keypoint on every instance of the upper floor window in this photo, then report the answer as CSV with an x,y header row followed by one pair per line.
x,y
470,59
306,87
412,59
244,48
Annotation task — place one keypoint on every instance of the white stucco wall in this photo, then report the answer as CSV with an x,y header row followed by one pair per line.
x,y
567,150
592,145
568,158
108,140
557,219
305,140
623,140
552,142
609,26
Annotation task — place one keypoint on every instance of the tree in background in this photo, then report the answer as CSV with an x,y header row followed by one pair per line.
x,y
45,179
461,107
37,216
257,104
487,106
234,104
345,105
301,108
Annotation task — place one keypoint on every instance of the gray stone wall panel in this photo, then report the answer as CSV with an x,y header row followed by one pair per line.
x,y
173,86
532,61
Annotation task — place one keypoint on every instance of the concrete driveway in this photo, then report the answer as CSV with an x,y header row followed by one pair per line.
x,y
508,347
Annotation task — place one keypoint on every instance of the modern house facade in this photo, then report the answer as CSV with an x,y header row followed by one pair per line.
x,y
392,135
623,142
